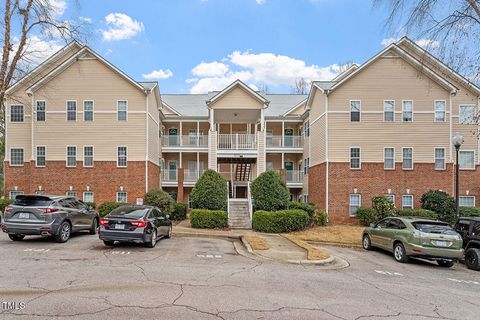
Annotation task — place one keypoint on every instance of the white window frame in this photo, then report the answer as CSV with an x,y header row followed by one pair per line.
x,y
23,157
444,111
403,110
93,156
36,156
126,196
118,156
384,112
403,202
359,110
306,166
403,167
384,162
306,128
474,164
93,196
475,108
44,111
470,197
350,204
76,110
11,113
71,194
435,158
17,192
359,158
118,111
66,154
387,195
92,111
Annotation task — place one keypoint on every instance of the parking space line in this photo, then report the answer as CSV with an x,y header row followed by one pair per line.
x,y
388,273
464,281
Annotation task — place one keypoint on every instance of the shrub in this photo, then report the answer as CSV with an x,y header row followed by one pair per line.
x,y
210,192
367,215
320,217
280,221
469,212
422,213
269,192
91,204
4,203
441,203
383,207
200,218
106,207
160,199
179,211
309,208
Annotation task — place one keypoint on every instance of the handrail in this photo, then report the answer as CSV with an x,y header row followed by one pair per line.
x,y
250,204
228,198
237,141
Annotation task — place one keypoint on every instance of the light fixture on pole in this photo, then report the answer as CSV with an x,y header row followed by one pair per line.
x,y
457,141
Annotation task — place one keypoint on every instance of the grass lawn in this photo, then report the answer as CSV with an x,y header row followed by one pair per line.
x,y
341,234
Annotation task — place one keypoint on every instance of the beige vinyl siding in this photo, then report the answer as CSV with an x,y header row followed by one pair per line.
x,y
261,166
212,150
19,134
237,98
317,130
153,141
298,110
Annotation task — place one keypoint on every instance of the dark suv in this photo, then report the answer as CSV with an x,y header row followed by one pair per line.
x,y
48,216
469,229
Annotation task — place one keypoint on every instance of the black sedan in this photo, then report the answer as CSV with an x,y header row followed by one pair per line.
x,y
138,224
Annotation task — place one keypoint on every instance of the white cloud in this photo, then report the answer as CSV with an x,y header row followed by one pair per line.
x,y
260,1
38,50
218,83
158,74
388,41
210,69
58,6
424,43
121,27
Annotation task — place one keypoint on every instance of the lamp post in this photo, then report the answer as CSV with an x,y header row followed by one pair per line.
x,y
457,141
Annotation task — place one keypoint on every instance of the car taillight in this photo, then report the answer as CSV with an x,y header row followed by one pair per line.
x,y
104,222
49,210
139,224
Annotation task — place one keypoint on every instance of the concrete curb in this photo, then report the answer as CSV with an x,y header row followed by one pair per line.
x,y
337,244
314,262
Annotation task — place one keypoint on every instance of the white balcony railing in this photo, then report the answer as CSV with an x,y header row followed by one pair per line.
x,y
185,141
284,142
237,141
294,176
192,175
170,175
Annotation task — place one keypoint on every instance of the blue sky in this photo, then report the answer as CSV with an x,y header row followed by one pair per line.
x,y
263,42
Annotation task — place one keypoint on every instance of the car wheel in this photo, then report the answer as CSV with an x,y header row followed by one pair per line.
x,y
153,241
64,232
93,228
109,243
445,263
367,243
472,259
16,237
169,233
399,253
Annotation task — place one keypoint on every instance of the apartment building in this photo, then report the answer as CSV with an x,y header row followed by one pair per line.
x,y
79,125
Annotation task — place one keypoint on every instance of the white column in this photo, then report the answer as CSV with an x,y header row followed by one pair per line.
x,y
198,164
283,133
198,133
181,160
181,132
262,118
212,121
283,160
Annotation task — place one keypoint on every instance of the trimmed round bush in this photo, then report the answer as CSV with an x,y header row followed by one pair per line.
x,y
179,211
106,207
421,213
441,203
307,207
320,217
367,215
160,199
210,192
469,212
200,218
280,221
91,204
383,207
269,192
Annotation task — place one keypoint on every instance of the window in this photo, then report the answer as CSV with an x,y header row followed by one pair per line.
x,y
269,165
122,107
88,196
41,153
306,128
305,198
390,197
407,111
72,110
122,197
16,156
389,158
466,114
40,192
388,110
87,110
122,156
41,109
355,203
407,158
466,159
88,156
407,201
355,158
71,194
71,156
355,106
306,165
440,111
439,158
466,201
13,194
16,113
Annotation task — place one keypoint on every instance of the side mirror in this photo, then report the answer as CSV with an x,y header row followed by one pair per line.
x,y
372,225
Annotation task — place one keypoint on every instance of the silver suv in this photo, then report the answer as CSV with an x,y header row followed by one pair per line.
x,y
48,216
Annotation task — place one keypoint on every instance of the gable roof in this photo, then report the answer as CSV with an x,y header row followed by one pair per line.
x,y
233,85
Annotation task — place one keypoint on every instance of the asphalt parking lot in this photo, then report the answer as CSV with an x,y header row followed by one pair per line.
x,y
196,278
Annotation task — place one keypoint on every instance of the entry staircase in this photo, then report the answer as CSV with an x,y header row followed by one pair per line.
x,y
240,209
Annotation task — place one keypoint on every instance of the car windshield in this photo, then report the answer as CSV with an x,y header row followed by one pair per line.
x,y
32,201
433,227
128,212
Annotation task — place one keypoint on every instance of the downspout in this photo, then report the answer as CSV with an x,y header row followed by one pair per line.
x,y
33,134
147,138
450,125
326,154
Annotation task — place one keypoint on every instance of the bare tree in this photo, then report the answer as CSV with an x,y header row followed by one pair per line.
x,y
342,67
263,88
301,86
449,28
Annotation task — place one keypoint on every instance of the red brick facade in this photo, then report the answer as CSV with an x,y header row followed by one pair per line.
x,y
105,179
373,180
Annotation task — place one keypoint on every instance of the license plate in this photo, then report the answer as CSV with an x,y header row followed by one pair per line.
x,y
120,226
24,215
441,243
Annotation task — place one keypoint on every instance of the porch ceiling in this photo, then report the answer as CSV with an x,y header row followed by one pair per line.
x,y
237,115
236,160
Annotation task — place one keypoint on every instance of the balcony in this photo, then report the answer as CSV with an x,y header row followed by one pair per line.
x,y
294,177
191,176
169,177
185,141
237,141
284,142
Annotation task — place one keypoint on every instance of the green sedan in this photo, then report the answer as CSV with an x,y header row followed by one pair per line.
x,y
409,237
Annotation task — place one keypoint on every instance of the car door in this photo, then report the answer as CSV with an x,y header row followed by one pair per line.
x,y
153,219
392,232
163,222
86,216
378,233
72,213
